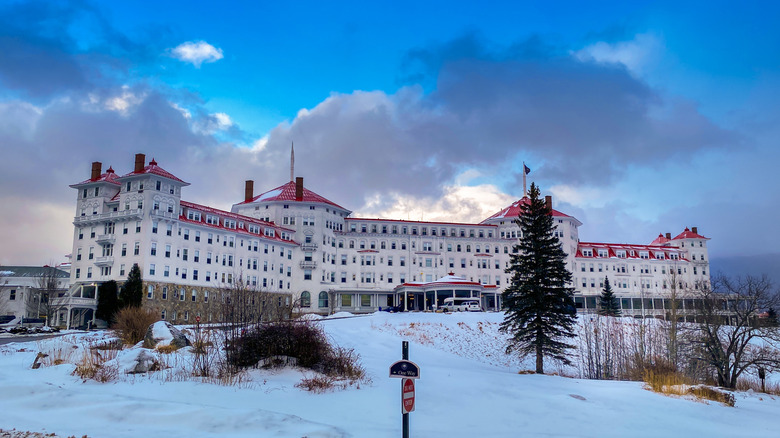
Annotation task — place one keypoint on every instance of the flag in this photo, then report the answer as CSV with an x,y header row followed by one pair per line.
x,y
526,169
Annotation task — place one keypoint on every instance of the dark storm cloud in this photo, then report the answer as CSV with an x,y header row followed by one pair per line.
x,y
588,122
41,57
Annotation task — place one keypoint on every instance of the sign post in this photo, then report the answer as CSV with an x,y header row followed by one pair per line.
x,y
407,371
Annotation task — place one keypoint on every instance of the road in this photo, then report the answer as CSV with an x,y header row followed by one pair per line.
x,y
27,338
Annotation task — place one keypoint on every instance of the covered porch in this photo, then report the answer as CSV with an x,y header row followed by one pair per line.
x,y
76,307
430,296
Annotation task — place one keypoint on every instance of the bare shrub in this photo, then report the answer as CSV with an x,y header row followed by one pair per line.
x,y
316,384
132,322
754,384
92,366
166,349
344,363
301,343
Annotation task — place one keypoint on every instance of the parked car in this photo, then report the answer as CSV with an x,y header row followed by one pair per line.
x,y
5,319
459,304
33,322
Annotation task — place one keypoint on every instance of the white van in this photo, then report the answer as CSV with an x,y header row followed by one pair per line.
x,y
459,304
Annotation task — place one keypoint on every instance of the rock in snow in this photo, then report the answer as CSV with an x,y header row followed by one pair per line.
x,y
164,333
135,361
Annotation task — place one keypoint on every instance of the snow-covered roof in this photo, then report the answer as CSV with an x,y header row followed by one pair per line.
x,y
110,177
512,211
286,192
154,169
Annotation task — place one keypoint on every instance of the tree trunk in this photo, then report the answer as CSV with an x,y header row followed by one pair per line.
x,y
539,352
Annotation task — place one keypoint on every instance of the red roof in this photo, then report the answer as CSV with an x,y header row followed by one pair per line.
x,y
612,247
154,169
688,234
513,210
364,219
238,217
286,192
660,240
110,177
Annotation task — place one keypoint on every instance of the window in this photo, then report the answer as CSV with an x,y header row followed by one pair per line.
x,y
305,299
346,300
151,269
323,299
149,292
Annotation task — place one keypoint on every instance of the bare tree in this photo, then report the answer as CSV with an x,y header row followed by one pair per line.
x,y
731,338
47,288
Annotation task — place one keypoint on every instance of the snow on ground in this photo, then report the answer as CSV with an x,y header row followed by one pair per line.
x,y
467,388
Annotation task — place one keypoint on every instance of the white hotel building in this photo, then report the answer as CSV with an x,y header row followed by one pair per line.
x,y
292,241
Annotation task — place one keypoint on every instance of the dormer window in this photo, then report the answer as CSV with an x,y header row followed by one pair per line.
x,y
127,186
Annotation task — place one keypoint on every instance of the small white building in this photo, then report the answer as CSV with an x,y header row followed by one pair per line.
x,y
25,290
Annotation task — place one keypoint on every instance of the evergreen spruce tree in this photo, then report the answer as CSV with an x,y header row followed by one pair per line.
x,y
132,290
608,303
540,311
108,301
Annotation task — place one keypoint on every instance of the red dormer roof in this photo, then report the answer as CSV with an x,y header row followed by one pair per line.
x,y
154,169
286,192
688,234
660,240
110,177
513,211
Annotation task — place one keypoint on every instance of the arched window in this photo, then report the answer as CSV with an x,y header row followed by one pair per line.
x,y
305,299
323,299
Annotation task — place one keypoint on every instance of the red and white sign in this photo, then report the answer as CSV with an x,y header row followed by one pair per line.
x,y
407,396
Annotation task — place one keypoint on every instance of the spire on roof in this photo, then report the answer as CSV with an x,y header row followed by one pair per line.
x,y
292,161
152,163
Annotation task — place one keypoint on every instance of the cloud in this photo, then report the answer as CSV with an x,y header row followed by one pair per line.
x,y
634,54
45,54
405,154
196,53
458,203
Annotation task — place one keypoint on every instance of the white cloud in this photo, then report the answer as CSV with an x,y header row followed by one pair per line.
x,y
196,52
635,54
459,203
223,121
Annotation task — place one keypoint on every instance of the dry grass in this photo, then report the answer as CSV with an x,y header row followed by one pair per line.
x,y
132,322
676,384
753,383
166,349
92,366
58,356
317,384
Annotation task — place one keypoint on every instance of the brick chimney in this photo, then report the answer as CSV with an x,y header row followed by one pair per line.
x,y
548,201
669,236
695,230
249,190
299,188
96,167
140,159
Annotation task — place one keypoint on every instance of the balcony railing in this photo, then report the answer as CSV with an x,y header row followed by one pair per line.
x,y
308,247
163,214
136,213
104,261
105,239
308,264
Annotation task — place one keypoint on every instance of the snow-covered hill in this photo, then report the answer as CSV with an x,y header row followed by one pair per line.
x,y
468,388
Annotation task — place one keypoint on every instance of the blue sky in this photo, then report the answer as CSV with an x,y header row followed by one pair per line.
x,y
638,117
